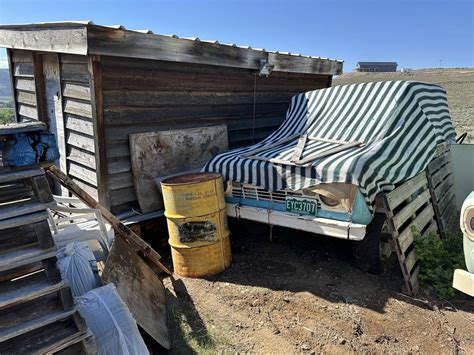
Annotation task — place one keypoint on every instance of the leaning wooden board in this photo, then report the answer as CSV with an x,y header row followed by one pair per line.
x,y
139,288
161,153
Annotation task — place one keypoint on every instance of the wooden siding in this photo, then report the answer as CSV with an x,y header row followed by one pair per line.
x,y
78,126
145,95
24,85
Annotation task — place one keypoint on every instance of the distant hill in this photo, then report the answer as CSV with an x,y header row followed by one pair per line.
x,y
458,83
5,86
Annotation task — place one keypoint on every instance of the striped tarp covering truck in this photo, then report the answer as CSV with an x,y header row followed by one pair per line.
x,y
337,149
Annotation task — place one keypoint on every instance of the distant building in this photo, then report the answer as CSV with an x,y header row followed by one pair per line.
x,y
376,66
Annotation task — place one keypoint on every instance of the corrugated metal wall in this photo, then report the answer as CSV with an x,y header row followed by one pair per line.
x,y
145,95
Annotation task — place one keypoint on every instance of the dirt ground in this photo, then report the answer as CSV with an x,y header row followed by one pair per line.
x,y
458,83
301,293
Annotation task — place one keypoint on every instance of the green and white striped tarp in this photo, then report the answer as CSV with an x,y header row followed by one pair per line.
x,y
399,122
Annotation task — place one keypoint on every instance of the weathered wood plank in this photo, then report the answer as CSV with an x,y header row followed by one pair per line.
x,y
87,188
20,56
126,115
75,72
95,68
118,165
27,288
21,174
81,156
120,181
411,261
108,41
406,236
438,162
79,108
128,272
83,173
445,202
40,88
28,111
414,280
12,83
79,124
66,39
400,194
73,58
442,189
440,175
54,108
25,84
23,70
121,196
21,207
25,256
22,128
410,209
26,97
115,150
80,141
163,81
77,91
136,98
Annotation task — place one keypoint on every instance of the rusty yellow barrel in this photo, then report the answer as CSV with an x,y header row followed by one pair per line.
x,y
195,210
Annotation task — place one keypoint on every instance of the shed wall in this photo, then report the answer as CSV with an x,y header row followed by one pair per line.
x,y
34,82
24,85
147,95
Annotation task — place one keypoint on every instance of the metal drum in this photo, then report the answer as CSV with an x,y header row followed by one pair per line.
x,y
195,210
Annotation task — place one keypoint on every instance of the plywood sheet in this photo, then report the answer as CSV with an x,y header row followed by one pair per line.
x,y
162,153
140,289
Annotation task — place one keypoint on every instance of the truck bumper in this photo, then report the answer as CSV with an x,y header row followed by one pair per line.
x,y
324,226
464,281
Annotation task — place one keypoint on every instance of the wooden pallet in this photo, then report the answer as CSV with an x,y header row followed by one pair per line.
x,y
441,184
408,206
36,306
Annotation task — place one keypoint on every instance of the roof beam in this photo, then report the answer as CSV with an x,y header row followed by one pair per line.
x,y
66,39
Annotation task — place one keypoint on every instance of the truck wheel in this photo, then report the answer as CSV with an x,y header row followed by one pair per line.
x,y
367,253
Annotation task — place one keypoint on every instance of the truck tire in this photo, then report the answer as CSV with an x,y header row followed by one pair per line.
x,y
367,253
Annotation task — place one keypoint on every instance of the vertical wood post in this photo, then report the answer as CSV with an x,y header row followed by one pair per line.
x,y
40,88
12,83
95,71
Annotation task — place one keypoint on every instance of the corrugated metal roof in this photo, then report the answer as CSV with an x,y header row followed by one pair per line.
x,y
148,31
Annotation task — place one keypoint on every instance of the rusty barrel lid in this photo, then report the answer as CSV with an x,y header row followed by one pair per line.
x,y
190,178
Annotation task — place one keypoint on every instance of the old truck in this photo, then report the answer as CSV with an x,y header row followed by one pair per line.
x,y
337,149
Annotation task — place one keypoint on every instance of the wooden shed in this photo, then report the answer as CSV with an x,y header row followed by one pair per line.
x,y
94,85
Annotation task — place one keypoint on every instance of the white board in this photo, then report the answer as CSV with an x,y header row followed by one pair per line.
x,y
161,153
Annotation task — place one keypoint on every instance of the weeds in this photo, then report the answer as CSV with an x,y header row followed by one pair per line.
x,y
438,260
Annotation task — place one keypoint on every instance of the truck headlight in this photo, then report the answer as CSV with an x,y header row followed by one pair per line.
x,y
329,201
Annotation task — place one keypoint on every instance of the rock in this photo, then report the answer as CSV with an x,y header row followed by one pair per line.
x,y
276,331
255,302
286,299
305,347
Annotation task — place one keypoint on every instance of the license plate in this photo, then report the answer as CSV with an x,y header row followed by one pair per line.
x,y
301,205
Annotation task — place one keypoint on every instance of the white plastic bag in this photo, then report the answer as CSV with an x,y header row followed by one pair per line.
x,y
78,266
113,326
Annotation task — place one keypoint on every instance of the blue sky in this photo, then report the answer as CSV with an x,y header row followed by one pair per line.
x,y
416,33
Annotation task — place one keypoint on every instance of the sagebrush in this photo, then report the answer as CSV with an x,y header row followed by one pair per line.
x,y
438,260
